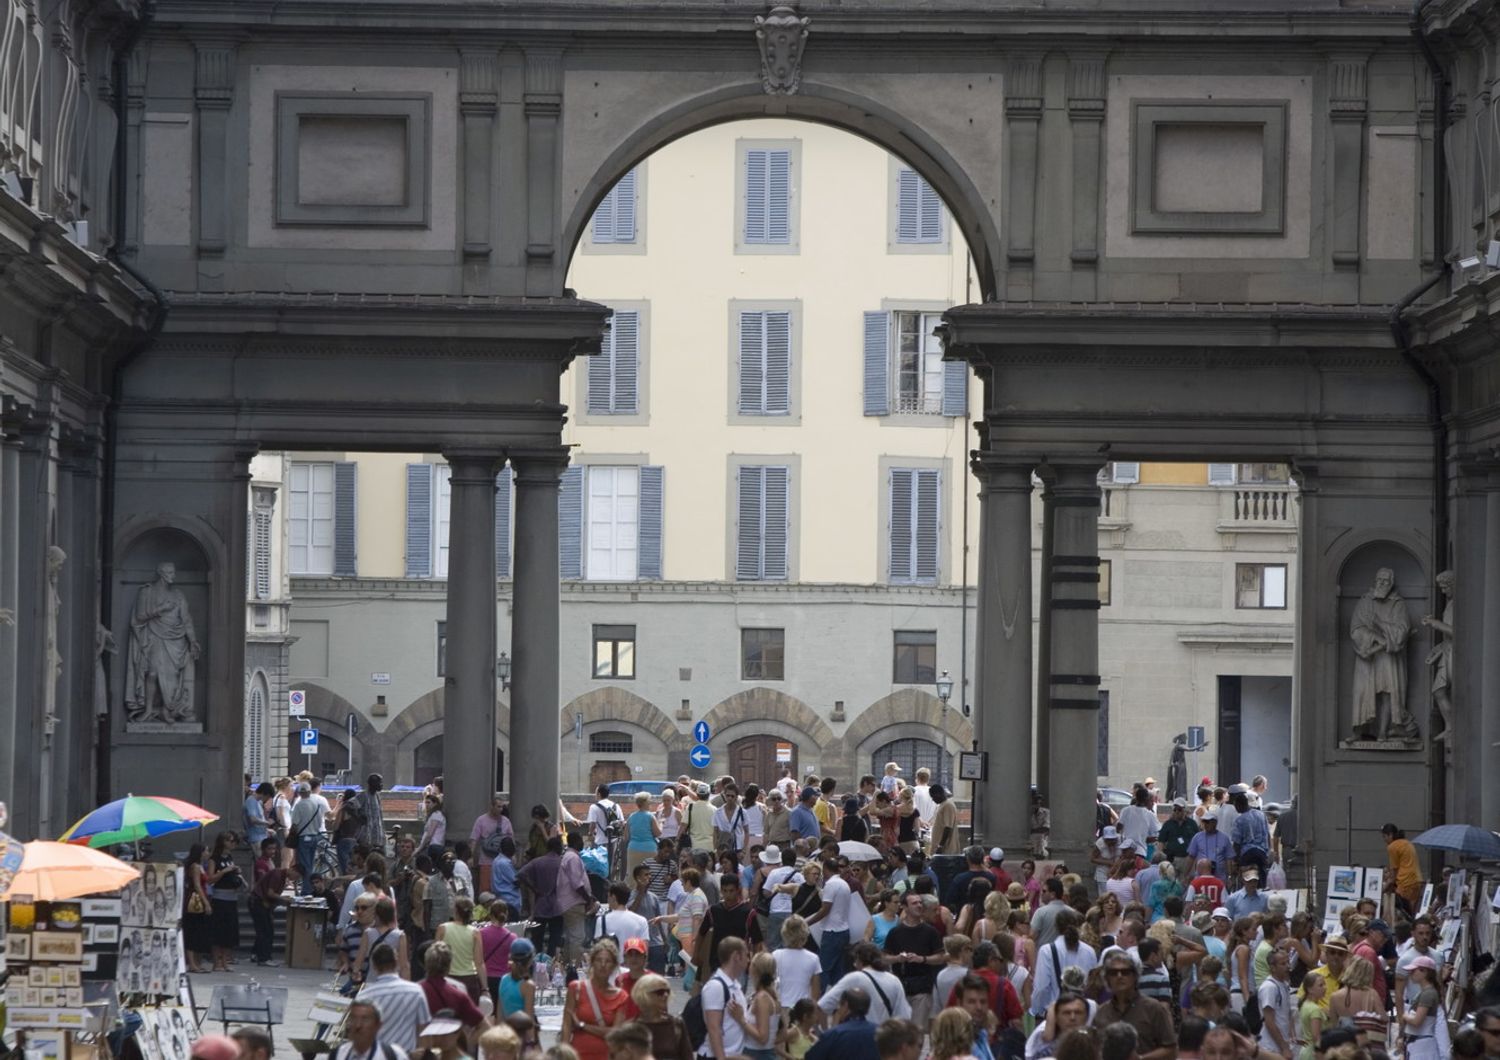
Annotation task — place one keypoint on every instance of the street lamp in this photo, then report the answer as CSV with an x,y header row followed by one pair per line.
x,y
944,692
502,671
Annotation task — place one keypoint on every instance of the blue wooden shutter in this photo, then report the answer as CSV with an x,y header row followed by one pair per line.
x,y
648,525
929,214
927,508
624,196
602,227
502,523
755,196
779,196
778,361
419,520
748,535
955,388
599,367
345,554
902,488
877,364
625,361
908,206
775,523
570,524
752,363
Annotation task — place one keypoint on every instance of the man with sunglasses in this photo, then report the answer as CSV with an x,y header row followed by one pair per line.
x,y
1151,1019
1487,1023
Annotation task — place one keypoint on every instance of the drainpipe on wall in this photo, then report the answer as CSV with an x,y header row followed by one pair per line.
x,y
127,45
1438,789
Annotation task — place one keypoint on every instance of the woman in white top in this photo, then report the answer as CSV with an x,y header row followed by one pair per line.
x,y
755,817
799,973
668,815
1065,951
763,1013
435,831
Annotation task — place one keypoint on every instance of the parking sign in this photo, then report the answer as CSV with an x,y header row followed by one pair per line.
x,y
309,741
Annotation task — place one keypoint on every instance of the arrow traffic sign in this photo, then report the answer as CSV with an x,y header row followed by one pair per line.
x,y
700,732
700,755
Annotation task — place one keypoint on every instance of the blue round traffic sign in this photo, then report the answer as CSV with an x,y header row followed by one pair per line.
x,y
700,732
700,755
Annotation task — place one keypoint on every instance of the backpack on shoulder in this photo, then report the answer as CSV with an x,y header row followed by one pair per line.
x,y
692,1014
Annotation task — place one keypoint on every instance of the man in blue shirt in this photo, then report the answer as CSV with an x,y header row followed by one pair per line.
x,y
257,827
854,1036
1212,846
1252,836
803,823
1248,899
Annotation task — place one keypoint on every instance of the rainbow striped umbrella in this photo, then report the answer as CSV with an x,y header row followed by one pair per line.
x,y
134,818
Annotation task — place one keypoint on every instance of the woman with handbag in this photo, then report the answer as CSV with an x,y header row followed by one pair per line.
x,y
594,1007
224,885
197,934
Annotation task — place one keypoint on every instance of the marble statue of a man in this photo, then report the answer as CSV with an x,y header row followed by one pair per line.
x,y
163,649
1379,630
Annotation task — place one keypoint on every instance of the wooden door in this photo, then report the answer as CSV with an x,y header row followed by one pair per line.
x,y
608,773
753,760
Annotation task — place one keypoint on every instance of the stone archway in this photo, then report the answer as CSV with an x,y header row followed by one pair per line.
x,y
617,704
642,739
910,712
420,721
905,131
328,712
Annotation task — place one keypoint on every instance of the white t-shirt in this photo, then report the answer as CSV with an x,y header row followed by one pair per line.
x,y
890,990
781,903
1277,996
921,797
795,969
755,820
624,925
836,893
463,879
719,989
599,817
1138,826
731,819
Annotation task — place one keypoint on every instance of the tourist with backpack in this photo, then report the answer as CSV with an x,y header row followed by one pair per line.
x,y
490,827
715,1017
604,818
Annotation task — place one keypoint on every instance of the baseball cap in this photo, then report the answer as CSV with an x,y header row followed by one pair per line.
x,y
809,792
702,790
635,946
522,948
1110,832
1378,925
1179,803
894,765
1252,873
1422,962
1239,789
1210,815
1220,913
997,854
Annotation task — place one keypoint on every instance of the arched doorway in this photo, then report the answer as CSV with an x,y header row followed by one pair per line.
x,y
758,759
332,756
427,763
912,754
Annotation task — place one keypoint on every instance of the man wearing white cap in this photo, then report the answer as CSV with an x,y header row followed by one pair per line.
x,y
996,868
1248,899
1212,846
1106,852
888,782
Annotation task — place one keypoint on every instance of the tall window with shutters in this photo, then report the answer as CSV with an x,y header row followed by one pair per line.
x,y
766,221
321,519
429,502
915,525
610,522
904,370
614,220
762,525
919,211
614,375
765,363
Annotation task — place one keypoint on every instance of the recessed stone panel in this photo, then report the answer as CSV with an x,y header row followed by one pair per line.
x,y
351,160
1201,168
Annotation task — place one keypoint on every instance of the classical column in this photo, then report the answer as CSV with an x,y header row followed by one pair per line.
x,y
1002,718
1072,583
535,738
10,549
1310,689
469,683
1042,759
1489,659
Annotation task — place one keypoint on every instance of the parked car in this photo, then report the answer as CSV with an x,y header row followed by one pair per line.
x,y
624,790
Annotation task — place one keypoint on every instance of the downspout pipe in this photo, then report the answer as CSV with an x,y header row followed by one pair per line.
x,y
1438,794
123,50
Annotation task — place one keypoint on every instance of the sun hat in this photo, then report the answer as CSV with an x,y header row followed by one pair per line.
x,y
440,1026
771,855
1110,832
1337,943
1220,913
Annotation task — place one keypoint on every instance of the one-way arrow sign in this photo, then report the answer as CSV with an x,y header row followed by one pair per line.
x,y
700,732
700,756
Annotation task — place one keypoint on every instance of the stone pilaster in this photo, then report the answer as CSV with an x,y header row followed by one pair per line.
x,y
543,106
1347,107
477,103
1023,120
213,92
1086,97
1002,712
469,684
535,737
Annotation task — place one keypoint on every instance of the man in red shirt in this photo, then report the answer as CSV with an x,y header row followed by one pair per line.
x,y
1368,948
1002,997
1206,891
995,867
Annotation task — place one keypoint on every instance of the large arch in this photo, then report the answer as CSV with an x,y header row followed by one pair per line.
x,y
815,101
420,721
905,707
617,704
768,705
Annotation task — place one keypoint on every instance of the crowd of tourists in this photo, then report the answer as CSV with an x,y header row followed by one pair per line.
x,y
802,920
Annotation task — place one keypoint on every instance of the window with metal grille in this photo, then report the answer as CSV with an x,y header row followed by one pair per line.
x,y
918,368
763,654
1260,586
614,652
916,657
912,754
611,743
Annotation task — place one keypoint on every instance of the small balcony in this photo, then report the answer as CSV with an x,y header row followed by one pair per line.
x,y
1251,509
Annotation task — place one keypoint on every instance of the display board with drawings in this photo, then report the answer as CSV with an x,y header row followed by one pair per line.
x,y
166,1033
155,899
150,959
1347,885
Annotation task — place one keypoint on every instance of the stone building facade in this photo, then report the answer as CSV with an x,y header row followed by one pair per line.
x,y
364,217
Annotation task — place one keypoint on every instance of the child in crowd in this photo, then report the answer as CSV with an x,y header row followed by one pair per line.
x,y
797,1038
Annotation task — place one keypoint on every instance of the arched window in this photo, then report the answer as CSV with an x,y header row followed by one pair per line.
x,y
911,755
427,763
255,726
